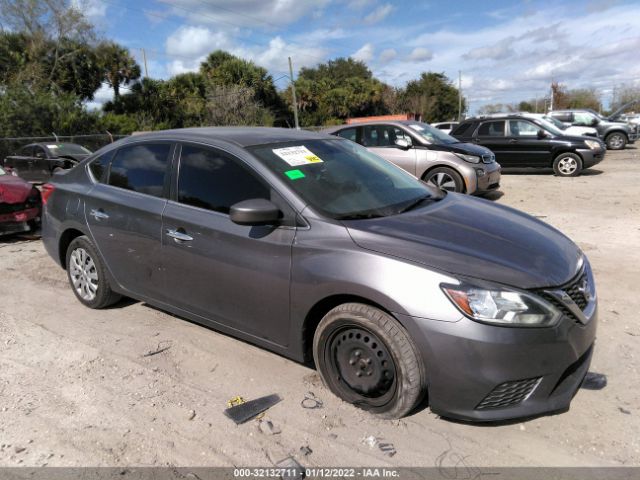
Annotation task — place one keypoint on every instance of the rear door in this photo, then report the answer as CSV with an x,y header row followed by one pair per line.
x,y
124,215
233,275
380,139
492,134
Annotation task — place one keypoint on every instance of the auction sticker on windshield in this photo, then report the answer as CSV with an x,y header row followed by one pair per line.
x,y
297,156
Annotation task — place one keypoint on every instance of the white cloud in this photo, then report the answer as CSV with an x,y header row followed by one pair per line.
x,y
102,96
499,51
364,54
387,55
195,41
420,54
92,9
224,14
379,14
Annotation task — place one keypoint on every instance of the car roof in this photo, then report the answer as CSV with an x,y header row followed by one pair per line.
x,y
240,136
397,123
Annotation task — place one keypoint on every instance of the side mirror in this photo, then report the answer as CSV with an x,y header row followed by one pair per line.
x,y
595,122
542,134
255,211
403,143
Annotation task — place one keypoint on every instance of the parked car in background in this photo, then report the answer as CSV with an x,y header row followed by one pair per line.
x,y
520,141
570,130
20,204
446,127
38,161
615,134
315,248
428,153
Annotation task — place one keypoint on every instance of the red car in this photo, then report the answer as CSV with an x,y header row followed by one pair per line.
x,y
20,204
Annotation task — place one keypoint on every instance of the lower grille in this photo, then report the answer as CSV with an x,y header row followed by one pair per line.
x,y
508,394
488,158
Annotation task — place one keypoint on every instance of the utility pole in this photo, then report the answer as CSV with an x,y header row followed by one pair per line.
x,y
551,101
459,95
295,100
144,58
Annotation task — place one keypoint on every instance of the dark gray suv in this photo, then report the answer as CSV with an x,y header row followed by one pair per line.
x,y
313,247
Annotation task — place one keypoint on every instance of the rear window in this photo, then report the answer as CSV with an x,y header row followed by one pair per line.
x,y
461,129
141,168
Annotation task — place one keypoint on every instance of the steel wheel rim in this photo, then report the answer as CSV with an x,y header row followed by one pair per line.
x,y
567,165
443,181
83,274
615,141
362,369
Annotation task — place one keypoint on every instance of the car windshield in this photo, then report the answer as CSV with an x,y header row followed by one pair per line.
x,y
431,134
67,149
550,126
342,180
555,122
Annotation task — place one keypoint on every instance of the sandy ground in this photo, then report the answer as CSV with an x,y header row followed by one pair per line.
x,y
77,390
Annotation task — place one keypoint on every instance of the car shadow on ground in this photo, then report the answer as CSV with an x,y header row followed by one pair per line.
x,y
547,171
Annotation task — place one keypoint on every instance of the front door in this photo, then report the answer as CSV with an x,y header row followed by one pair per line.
x,y
233,275
525,144
381,140
125,216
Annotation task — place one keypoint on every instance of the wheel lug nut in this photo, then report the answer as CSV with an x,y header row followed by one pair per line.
x,y
358,374
357,353
352,362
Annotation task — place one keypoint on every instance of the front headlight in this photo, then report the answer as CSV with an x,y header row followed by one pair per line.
x,y
468,158
502,307
592,145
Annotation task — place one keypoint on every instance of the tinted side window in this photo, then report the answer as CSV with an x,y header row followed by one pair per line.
x,y
520,128
348,133
39,152
491,129
141,168
214,180
563,116
100,165
26,151
461,129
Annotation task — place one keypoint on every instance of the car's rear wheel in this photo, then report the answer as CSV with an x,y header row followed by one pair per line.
x,y
446,179
87,275
567,165
616,141
367,358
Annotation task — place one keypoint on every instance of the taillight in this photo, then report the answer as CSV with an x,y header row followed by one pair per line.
x,y
47,190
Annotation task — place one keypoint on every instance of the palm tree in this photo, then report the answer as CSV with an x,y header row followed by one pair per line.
x,y
118,66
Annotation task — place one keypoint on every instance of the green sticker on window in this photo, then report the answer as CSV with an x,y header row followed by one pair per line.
x,y
294,174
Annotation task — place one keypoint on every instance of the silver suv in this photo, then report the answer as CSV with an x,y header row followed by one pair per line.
x,y
428,153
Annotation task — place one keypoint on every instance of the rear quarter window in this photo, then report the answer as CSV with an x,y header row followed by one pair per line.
x,y
461,129
141,168
100,166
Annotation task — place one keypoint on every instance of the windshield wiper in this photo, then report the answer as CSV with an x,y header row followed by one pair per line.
x,y
358,216
415,203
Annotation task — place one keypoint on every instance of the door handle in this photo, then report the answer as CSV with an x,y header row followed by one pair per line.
x,y
179,236
98,214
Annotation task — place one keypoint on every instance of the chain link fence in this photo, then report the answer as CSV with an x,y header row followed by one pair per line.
x,y
11,145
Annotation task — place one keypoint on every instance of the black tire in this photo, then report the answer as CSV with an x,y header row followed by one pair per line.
x,y
567,165
445,178
103,296
616,141
365,357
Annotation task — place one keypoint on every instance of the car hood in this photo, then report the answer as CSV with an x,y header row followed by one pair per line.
x,y
473,237
14,189
462,147
78,157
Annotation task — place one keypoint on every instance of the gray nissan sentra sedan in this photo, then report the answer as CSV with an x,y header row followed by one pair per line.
x,y
313,247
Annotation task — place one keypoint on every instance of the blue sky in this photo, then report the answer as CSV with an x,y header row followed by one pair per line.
x,y
507,51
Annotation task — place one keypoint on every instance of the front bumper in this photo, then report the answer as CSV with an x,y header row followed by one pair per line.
x,y
17,222
479,372
489,181
591,157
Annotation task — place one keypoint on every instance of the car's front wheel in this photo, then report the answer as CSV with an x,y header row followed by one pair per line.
x,y
616,141
87,275
367,358
567,165
446,179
